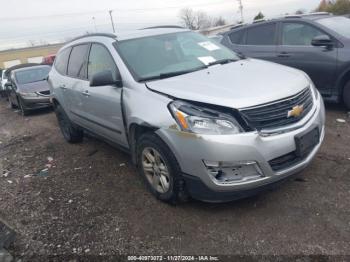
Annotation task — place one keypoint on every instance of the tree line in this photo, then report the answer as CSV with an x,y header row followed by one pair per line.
x,y
336,7
198,20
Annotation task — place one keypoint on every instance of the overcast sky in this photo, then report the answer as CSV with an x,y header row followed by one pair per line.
x,y
24,21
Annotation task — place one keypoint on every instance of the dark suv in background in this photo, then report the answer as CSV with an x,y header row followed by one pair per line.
x,y
318,44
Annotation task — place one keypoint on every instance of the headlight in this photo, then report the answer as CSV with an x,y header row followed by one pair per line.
x,y
28,94
199,120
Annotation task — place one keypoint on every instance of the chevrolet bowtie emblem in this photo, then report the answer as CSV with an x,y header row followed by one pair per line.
x,y
296,111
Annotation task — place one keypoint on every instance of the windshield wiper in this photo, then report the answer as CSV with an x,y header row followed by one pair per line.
x,y
171,74
222,61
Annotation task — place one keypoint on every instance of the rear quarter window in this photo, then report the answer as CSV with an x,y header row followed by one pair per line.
x,y
77,65
237,37
61,61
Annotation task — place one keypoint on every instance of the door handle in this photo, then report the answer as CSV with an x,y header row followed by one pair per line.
x,y
86,93
283,54
63,87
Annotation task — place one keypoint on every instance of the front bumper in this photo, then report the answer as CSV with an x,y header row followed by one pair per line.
x,y
31,103
191,150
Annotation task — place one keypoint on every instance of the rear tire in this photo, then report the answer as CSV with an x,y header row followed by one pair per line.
x,y
174,189
71,132
346,95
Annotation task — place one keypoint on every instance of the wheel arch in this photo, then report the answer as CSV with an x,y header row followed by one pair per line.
x,y
55,102
135,130
343,79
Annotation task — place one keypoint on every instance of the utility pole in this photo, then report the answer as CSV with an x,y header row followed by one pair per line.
x,y
110,14
94,20
241,10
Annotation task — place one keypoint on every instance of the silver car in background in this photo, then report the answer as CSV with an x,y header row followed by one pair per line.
x,y
197,119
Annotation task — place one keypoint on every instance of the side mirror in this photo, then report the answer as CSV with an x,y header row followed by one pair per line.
x,y
105,78
322,40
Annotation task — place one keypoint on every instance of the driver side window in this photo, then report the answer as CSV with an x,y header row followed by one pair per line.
x,y
299,34
100,60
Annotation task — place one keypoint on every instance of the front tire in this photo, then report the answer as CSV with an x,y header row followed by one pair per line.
x,y
346,95
12,105
71,132
160,170
23,111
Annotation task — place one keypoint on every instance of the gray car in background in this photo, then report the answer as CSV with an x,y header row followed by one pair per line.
x,y
196,118
318,44
28,89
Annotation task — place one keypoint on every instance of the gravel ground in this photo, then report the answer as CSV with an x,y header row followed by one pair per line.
x,y
92,201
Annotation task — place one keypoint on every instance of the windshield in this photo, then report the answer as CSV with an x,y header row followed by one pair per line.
x,y
32,75
341,25
171,54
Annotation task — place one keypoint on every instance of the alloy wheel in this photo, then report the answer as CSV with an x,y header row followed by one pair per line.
x,y
155,170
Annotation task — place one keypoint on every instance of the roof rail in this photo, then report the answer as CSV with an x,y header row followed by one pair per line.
x,y
306,15
163,26
259,21
94,34
238,26
317,13
292,16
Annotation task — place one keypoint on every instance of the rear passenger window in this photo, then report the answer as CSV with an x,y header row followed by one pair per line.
x,y
77,61
101,60
237,37
62,61
261,35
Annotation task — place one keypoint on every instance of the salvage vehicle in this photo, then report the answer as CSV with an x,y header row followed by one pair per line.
x,y
197,119
28,88
318,44
48,60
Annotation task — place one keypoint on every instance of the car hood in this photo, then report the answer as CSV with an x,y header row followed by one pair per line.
x,y
33,87
240,84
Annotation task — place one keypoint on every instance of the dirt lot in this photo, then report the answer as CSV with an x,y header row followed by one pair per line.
x,y
92,201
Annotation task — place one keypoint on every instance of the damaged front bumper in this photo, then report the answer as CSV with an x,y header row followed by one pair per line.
x,y
220,168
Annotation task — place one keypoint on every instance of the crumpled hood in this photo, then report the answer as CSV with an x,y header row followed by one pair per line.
x,y
34,87
240,84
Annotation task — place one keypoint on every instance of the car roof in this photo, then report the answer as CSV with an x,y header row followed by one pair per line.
x,y
310,17
133,34
9,70
148,32
29,68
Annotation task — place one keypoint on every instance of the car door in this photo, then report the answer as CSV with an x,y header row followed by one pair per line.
x,y
295,50
257,41
58,78
102,104
260,41
77,73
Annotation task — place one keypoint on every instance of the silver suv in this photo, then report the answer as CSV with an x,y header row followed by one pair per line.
x,y
197,119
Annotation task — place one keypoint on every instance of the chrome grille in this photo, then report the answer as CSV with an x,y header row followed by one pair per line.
x,y
275,115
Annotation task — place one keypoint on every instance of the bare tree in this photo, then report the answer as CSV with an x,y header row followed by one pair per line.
x,y
203,21
195,20
300,12
188,18
43,42
219,21
31,42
